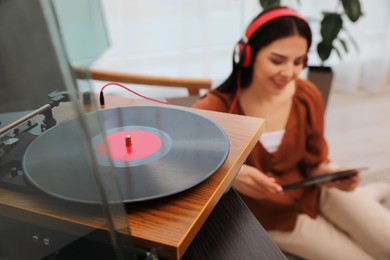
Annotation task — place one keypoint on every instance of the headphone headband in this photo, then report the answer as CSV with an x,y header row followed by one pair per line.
x,y
242,52
267,17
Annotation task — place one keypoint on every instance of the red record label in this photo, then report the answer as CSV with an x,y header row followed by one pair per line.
x,y
130,145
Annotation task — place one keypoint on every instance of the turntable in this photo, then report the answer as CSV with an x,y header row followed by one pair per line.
x,y
171,217
155,152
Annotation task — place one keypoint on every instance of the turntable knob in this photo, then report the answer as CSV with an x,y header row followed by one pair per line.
x,y
14,171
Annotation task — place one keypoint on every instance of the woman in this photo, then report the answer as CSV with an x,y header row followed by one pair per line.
x,y
315,222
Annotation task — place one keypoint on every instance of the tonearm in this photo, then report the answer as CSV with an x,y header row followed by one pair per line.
x,y
55,98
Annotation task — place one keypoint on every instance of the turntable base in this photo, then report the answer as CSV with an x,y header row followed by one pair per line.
x,y
169,224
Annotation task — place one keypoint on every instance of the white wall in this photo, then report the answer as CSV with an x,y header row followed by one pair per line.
x,y
179,38
187,38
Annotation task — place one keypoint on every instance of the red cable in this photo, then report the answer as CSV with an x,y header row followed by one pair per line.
x,y
132,91
238,89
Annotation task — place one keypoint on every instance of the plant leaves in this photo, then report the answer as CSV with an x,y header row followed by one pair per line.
x,y
331,25
324,49
344,44
269,3
352,9
337,52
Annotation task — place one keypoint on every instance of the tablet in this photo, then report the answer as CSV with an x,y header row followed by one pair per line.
x,y
340,175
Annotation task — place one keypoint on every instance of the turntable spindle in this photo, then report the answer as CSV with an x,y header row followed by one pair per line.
x,y
128,141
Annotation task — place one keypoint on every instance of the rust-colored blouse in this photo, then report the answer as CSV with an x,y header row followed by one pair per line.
x,y
303,147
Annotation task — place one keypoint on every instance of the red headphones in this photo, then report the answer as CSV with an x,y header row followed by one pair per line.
x,y
242,52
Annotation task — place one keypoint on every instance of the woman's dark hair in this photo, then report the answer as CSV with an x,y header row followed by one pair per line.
x,y
275,29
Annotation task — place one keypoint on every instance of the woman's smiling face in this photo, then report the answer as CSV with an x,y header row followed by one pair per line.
x,y
279,63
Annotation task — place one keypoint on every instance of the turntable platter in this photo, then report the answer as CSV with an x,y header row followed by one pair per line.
x,y
153,151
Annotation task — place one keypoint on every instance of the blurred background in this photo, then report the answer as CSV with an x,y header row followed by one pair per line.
x,y
196,38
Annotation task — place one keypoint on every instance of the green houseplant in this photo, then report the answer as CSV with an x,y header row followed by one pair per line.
x,y
331,26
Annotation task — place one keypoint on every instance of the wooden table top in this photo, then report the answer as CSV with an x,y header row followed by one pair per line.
x,y
168,224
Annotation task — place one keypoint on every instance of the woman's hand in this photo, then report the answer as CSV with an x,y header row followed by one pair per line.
x,y
348,184
253,183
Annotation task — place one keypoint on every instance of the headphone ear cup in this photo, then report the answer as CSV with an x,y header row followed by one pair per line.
x,y
242,54
237,56
247,56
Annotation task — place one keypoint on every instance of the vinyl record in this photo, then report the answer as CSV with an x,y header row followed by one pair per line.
x,y
153,151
